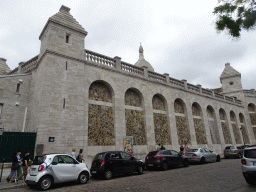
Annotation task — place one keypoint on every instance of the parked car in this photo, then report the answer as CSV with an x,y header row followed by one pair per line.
x,y
202,155
249,165
164,159
111,163
233,151
49,169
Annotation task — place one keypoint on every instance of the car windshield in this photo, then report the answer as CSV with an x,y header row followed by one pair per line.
x,y
99,156
192,150
250,153
39,160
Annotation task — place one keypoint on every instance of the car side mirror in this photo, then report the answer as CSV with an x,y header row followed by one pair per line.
x,y
211,151
54,163
132,158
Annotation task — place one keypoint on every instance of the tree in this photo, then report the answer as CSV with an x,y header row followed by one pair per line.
x,y
235,15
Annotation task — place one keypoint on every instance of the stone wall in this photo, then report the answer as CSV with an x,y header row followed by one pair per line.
x,y
198,125
226,133
12,114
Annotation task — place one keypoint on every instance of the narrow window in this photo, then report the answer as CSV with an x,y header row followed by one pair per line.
x,y
64,104
66,65
67,38
18,88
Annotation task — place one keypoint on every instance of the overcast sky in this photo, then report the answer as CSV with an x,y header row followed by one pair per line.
x,y
178,37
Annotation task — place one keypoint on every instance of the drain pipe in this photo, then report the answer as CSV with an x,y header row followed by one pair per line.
x,y
24,122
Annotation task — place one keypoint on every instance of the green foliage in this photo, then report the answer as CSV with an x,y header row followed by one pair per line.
x,y
235,15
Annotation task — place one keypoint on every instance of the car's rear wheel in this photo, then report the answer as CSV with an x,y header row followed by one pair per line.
x,y
250,181
83,177
140,170
164,166
202,161
218,158
185,163
108,174
45,183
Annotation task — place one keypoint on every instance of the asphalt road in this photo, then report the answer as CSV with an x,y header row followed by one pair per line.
x,y
223,176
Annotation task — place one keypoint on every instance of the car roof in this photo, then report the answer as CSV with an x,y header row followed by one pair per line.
x,y
53,154
250,147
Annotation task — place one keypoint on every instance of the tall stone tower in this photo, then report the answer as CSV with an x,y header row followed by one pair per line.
x,y
230,79
63,34
4,69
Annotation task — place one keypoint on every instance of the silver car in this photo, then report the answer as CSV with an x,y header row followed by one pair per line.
x,y
233,151
202,155
56,168
249,164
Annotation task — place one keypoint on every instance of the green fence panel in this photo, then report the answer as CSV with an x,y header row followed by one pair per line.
x,y
10,142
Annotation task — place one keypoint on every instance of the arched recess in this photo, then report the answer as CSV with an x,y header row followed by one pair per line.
x,y
213,125
235,128
181,122
100,115
252,113
198,124
244,129
134,117
224,126
162,130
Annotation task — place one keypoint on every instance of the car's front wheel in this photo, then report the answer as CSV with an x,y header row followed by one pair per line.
x,y
140,170
218,158
108,174
45,183
83,177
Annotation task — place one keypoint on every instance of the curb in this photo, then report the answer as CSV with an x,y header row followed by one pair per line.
x,y
13,186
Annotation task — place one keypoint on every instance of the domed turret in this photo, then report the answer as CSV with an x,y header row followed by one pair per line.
x,y
142,62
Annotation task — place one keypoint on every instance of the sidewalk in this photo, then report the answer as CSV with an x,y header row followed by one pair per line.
x,y
4,185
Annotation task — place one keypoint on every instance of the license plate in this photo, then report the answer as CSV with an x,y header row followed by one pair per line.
x,y
33,169
94,171
150,165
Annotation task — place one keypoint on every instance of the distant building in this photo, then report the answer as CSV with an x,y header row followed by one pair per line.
x,y
91,101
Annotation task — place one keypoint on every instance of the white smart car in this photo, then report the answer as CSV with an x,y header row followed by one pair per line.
x,y
56,168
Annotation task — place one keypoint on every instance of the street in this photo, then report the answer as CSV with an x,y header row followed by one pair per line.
x,y
223,176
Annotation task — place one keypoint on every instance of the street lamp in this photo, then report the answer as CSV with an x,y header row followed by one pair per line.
x,y
241,129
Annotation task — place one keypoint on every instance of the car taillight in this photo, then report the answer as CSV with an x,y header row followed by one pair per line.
x,y
235,151
40,168
102,162
146,157
243,161
157,156
194,155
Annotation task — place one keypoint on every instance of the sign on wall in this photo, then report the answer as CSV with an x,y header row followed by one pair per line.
x,y
128,144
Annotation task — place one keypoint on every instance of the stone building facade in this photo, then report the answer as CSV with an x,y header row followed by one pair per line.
x,y
91,101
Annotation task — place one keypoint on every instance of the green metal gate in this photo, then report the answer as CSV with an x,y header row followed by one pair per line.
x,y
10,142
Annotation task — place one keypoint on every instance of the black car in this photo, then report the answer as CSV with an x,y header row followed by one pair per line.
x,y
164,159
111,163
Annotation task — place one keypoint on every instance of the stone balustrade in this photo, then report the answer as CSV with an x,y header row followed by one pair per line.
x,y
219,96
207,92
156,76
131,68
193,87
176,82
99,58
229,99
249,92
